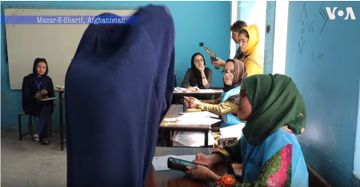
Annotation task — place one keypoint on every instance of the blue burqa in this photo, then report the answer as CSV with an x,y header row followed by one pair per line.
x,y
118,88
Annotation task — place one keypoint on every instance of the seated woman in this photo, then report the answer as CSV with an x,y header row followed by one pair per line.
x,y
234,73
198,76
269,151
37,86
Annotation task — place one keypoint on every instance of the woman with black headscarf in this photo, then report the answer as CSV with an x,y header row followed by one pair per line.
x,y
118,88
37,87
198,76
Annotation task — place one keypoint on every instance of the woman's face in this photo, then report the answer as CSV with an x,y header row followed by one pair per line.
x,y
41,68
198,61
245,107
243,41
228,73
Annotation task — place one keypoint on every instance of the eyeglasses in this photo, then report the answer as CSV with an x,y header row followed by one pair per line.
x,y
228,71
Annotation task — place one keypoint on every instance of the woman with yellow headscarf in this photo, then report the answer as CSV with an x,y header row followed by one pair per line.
x,y
249,44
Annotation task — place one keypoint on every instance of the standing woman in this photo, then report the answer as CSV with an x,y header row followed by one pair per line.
x,y
112,130
37,86
249,43
198,75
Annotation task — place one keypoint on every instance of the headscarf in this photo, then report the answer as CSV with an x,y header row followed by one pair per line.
x,y
275,102
239,74
253,41
36,61
251,56
118,88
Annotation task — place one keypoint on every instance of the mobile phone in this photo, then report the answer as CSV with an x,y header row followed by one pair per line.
x,y
210,52
179,164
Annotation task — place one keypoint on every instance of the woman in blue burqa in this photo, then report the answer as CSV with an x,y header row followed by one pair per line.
x,y
118,88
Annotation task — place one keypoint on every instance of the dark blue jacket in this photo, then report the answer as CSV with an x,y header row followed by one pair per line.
x,y
30,88
118,88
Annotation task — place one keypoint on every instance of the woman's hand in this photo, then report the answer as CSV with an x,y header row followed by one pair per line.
x,y
203,159
218,62
41,94
202,173
193,102
207,160
187,102
193,89
201,68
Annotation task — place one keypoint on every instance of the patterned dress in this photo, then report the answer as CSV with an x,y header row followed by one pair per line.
x,y
277,161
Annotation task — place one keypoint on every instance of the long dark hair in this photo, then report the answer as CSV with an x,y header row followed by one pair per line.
x,y
194,70
36,61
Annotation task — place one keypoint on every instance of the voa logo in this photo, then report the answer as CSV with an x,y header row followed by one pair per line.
x,y
334,13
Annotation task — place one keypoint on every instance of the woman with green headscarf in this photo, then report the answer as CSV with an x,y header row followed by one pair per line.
x,y
269,151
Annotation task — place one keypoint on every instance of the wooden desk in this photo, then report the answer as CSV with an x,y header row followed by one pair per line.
x,y
178,96
173,112
171,178
62,139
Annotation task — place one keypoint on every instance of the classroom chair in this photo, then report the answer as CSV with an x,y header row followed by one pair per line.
x,y
30,125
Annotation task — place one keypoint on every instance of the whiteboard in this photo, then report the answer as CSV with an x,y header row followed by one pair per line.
x,y
55,42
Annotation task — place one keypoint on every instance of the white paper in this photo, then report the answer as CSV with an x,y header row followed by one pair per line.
x,y
60,87
48,99
160,162
209,91
197,114
232,131
180,90
197,118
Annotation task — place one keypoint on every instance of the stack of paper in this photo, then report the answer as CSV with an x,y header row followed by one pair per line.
x,y
232,131
198,118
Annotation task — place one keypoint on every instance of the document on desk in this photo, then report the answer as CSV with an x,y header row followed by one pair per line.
x,y
198,118
210,91
48,99
232,131
160,162
181,90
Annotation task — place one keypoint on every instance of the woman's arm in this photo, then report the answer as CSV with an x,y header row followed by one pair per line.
x,y
26,90
204,79
28,98
274,172
186,81
208,79
218,62
223,108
